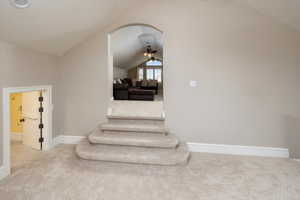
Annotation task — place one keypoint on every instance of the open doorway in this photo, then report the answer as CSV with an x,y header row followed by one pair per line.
x,y
136,59
27,125
24,128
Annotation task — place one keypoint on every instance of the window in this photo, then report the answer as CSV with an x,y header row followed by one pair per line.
x,y
141,74
154,63
153,74
157,74
150,74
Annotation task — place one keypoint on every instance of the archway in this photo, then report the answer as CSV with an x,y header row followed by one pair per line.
x,y
135,61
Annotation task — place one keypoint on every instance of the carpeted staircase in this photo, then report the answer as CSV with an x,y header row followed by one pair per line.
x,y
139,139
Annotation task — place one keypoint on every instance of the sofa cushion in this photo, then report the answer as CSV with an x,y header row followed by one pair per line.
x,y
144,83
138,84
134,82
152,83
141,91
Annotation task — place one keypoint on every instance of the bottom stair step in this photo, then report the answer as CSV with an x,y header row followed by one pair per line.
x,y
129,154
134,139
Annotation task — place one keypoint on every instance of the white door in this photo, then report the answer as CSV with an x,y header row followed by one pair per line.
x,y
31,115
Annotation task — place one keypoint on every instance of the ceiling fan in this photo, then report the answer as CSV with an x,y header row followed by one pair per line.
x,y
150,53
20,3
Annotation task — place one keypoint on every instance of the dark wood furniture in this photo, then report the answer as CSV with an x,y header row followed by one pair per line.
x,y
143,90
141,94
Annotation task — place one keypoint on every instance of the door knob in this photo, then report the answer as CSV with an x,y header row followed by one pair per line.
x,y
22,120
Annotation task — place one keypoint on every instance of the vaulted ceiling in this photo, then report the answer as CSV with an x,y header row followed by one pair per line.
x,y
55,26
129,44
285,11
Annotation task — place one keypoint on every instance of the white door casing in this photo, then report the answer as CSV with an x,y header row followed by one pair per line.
x,y
47,121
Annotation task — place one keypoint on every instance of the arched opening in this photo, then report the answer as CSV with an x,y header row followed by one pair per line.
x,y
136,63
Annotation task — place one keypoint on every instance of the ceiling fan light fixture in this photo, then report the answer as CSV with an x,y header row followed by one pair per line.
x,y
20,3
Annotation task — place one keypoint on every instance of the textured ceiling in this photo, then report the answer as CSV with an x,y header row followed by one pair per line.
x,y
285,11
56,26
129,43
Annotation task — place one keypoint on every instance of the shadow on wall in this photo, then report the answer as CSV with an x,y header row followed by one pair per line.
x,y
292,130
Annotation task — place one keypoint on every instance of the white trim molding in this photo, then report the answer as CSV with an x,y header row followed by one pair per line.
x,y
239,150
204,148
67,139
4,172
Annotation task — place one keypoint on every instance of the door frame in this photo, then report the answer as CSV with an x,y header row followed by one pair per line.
x,y
6,120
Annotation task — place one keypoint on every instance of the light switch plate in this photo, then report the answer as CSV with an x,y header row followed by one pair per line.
x,y
193,83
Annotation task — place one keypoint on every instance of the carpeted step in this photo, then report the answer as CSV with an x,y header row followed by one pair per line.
x,y
129,154
145,128
135,117
134,139
135,121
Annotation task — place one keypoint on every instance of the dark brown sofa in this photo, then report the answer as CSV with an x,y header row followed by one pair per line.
x,y
148,85
124,90
141,94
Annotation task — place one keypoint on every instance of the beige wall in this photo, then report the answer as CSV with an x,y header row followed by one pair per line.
x,y
132,73
23,67
83,73
119,73
246,65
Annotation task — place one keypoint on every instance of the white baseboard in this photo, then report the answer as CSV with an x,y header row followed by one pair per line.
x,y
239,150
3,172
67,139
205,148
16,136
56,141
298,160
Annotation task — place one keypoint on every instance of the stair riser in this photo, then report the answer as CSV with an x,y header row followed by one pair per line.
x,y
134,132
137,144
139,162
130,121
164,142
153,160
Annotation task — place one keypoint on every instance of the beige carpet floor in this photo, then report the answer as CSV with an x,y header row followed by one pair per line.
x,y
60,175
22,155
